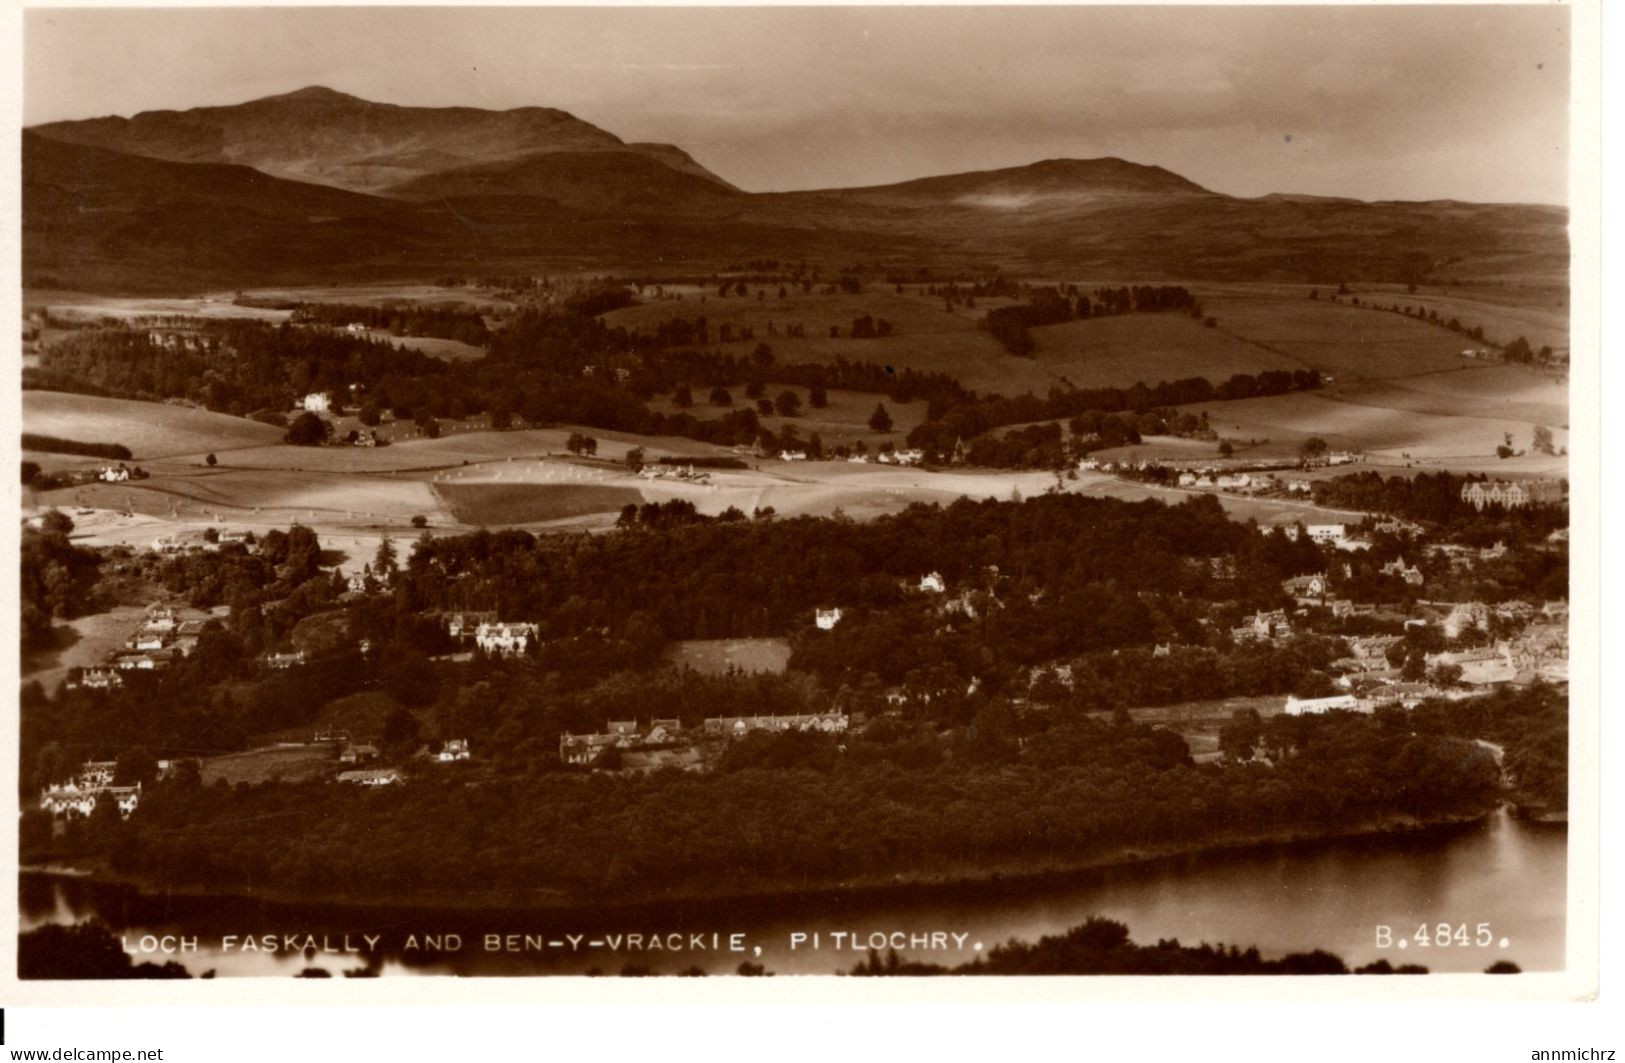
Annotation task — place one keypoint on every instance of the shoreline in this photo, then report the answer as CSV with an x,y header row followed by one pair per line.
x,y
1011,876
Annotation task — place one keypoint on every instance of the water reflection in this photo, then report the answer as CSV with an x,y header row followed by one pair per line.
x,y
1331,895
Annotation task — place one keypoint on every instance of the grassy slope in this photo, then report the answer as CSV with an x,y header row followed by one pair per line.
x,y
150,430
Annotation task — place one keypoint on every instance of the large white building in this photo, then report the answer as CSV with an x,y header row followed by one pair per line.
x,y
1307,706
505,639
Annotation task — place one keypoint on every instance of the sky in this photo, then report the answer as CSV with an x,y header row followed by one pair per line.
x,y
1372,102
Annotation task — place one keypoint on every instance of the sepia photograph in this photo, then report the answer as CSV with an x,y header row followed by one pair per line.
x,y
862,492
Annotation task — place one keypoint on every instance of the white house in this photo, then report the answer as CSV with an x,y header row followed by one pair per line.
x,y
932,583
114,474
826,619
505,639
315,402
1327,533
1306,706
453,749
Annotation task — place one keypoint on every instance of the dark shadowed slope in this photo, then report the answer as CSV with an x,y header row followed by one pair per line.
x,y
327,137
600,181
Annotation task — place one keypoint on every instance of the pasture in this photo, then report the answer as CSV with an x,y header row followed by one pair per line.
x,y
844,421
1285,421
377,295
1150,348
1540,315
718,656
489,504
1342,341
926,336
151,430
284,763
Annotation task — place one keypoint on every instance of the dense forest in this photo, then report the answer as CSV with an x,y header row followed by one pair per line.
x,y
1082,789
456,322
1435,497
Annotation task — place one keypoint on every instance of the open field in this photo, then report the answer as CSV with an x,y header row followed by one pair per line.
x,y
492,504
1345,342
1540,315
845,420
376,295
1286,420
460,448
86,306
291,763
1511,391
716,656
926,336
150,430
1133,348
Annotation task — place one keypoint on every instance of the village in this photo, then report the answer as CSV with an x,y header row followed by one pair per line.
x,y
1470,648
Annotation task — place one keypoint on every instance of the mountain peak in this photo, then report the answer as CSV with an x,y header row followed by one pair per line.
x,y
314,94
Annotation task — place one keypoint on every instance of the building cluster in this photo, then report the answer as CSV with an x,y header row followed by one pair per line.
x,y
1263,626
666,743
499,638
1333,535
92,785
1512,494
163,635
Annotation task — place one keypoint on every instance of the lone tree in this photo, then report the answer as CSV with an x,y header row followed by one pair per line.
x,y
880,420
1542,441
211,461
788,403
1313,447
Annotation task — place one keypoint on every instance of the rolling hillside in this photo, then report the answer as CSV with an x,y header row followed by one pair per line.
x,y
269,192
330,138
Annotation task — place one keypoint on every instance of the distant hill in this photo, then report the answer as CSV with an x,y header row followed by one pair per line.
x,y
331,138
317,186
1048,181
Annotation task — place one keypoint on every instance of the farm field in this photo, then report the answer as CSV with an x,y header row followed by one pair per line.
x,y
196,496
1286,420
484,504
86,306
1344,342
1540,315
374,295
287,763
1148,348
1510,391
926,337
845,420
717,656
150,430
